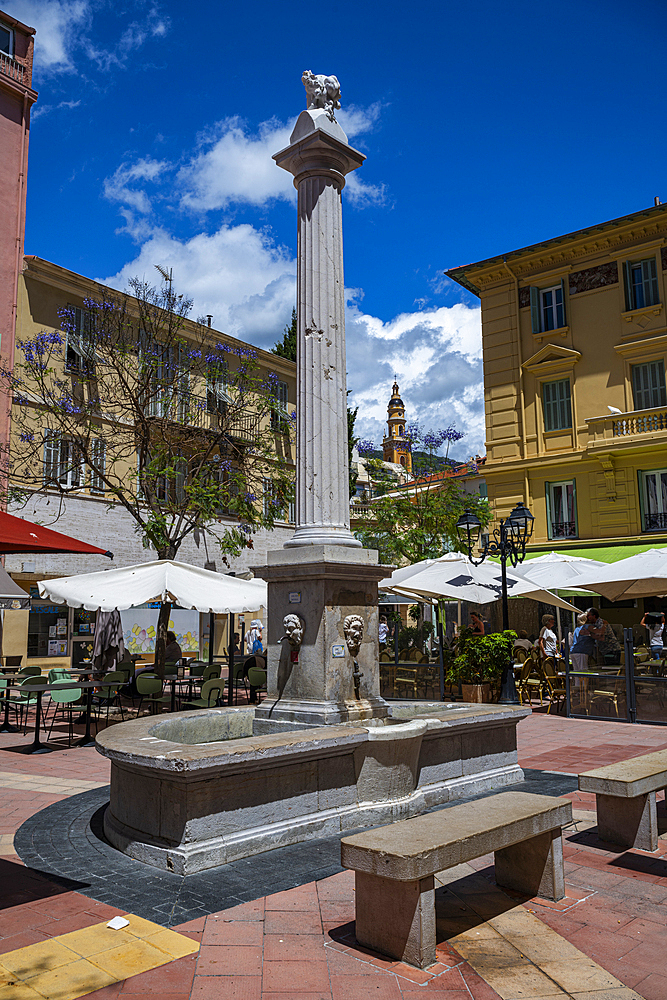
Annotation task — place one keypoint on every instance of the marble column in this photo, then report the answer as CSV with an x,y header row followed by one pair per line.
x,y
319,157
323,575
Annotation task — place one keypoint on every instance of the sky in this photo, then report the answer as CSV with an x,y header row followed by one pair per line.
x,y
486,127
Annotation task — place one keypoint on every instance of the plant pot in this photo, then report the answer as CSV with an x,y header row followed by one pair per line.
x,y
478,693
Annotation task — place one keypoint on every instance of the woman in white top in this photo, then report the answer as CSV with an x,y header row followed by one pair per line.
x,y
656,632
548,639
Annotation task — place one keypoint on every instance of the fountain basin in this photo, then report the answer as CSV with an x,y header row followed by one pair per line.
x,y
197,789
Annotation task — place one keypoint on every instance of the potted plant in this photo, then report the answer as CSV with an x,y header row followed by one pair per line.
x,y
479,661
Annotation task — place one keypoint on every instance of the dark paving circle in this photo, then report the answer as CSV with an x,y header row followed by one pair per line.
x,y
66,841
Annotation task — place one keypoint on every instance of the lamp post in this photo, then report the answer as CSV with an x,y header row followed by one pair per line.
x,y
509,542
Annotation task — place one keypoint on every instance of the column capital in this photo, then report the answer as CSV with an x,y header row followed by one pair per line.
x,y
319,151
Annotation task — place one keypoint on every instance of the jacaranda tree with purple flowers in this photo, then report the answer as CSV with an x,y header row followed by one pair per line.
x,y
155,414
417,520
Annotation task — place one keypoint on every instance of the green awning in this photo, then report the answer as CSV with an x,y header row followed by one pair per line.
x,y
603,553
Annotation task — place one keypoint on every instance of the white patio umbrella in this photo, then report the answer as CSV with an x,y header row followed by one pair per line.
x,y
643,575
163,580
557,570
453,575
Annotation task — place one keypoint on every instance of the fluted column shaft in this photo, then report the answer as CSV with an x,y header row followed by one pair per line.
x,y
319,163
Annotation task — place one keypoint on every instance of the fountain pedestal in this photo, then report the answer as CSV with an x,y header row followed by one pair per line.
x,y
323,584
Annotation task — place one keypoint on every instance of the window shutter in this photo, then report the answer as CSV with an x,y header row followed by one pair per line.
x,y
650,281
627,283
535,309
98,449
562,293
51,456
548,497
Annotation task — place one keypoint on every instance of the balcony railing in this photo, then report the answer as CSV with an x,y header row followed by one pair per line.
x,y
563,529
11,68
655,522
203,413
627,424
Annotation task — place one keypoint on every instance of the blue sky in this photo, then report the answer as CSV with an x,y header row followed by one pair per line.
x,y
487,127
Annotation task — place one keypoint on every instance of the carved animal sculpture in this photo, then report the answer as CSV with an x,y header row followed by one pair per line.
x,y
321,92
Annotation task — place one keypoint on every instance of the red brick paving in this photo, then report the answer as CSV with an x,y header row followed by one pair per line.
x,y
300,944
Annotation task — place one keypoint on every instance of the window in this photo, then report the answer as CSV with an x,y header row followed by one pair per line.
x,y
641,283
281,394
62,461
291,514
279,414
648,385
547,308
654,505
98,454
217,387
79,344
557,406
6,40
268,498
562,509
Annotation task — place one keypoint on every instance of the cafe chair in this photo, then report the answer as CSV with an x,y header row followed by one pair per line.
x,y
30,671
406,678
257,680
13,661
25,699
108,692
212,694
67,701
554,683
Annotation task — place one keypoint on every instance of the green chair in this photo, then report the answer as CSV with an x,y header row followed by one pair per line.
x,y
212,692
109,692
171,668
149,688
239,675
257,680
210,671
65,699
31,671
24,699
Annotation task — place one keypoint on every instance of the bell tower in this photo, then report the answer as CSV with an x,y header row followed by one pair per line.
x,y
395,445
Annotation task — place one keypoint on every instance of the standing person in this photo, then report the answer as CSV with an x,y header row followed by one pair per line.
x,y
656,632
383,631
253,638
548,640
583,644
609,647
476,623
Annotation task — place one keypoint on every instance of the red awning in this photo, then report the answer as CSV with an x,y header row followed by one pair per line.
x,y
17,535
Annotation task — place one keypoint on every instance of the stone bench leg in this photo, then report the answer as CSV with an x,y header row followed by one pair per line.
x,y
534,867
396,918
630,822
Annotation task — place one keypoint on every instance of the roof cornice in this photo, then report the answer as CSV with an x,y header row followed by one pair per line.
x,y
565,251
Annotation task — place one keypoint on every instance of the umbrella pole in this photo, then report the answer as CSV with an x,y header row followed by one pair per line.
x,y
211,635
441,651
230,681
560,634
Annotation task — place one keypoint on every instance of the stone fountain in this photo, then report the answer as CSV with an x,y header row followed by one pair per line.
x,y
322,754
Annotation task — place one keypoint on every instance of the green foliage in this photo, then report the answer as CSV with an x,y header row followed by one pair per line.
x,y
155,415
351,441
480,658
287,349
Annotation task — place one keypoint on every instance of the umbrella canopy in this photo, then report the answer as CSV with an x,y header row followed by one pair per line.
x,y
17,535
12,597
558,571
643,575
163,580
453,575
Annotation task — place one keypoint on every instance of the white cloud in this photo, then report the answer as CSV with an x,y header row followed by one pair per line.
x,y
237,274
436,355
117,187
57,23
63,34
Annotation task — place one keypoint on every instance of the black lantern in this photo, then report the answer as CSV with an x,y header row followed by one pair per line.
x,y
520,523
468,528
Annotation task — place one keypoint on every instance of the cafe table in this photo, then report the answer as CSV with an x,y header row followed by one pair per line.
x,y
37,746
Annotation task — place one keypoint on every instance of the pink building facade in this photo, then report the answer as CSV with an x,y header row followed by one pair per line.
x,y
16,100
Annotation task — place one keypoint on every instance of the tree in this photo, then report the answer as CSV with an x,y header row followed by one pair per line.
x,y
351,441
288,347
151,411
417,520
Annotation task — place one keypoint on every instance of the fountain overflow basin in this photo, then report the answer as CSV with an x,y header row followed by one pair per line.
x,y
197,790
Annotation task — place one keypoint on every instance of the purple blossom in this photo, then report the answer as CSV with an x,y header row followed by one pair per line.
x,y
365,447
27,437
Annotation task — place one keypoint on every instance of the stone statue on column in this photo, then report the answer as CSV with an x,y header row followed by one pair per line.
x,y
323,566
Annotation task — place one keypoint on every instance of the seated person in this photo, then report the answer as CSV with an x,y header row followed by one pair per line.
x,y
523,642
173,652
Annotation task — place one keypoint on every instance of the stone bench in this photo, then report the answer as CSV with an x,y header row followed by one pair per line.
x,y
625,799
395,865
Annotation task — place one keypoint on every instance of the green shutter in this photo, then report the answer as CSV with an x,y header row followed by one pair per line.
x,y
627,281
535,309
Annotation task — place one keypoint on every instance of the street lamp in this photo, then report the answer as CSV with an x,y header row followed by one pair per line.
x,y
509,542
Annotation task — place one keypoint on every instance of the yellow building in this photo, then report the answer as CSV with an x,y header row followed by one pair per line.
x,y
71,497
394,445
574,343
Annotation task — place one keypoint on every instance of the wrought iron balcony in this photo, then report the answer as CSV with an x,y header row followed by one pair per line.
x,y
207,413
621,425
655,522
563,529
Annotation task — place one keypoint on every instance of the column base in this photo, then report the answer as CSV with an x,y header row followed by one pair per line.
x,y
289,713
323,536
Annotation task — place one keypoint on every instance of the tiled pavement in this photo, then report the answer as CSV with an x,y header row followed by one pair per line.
x,y
299,944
